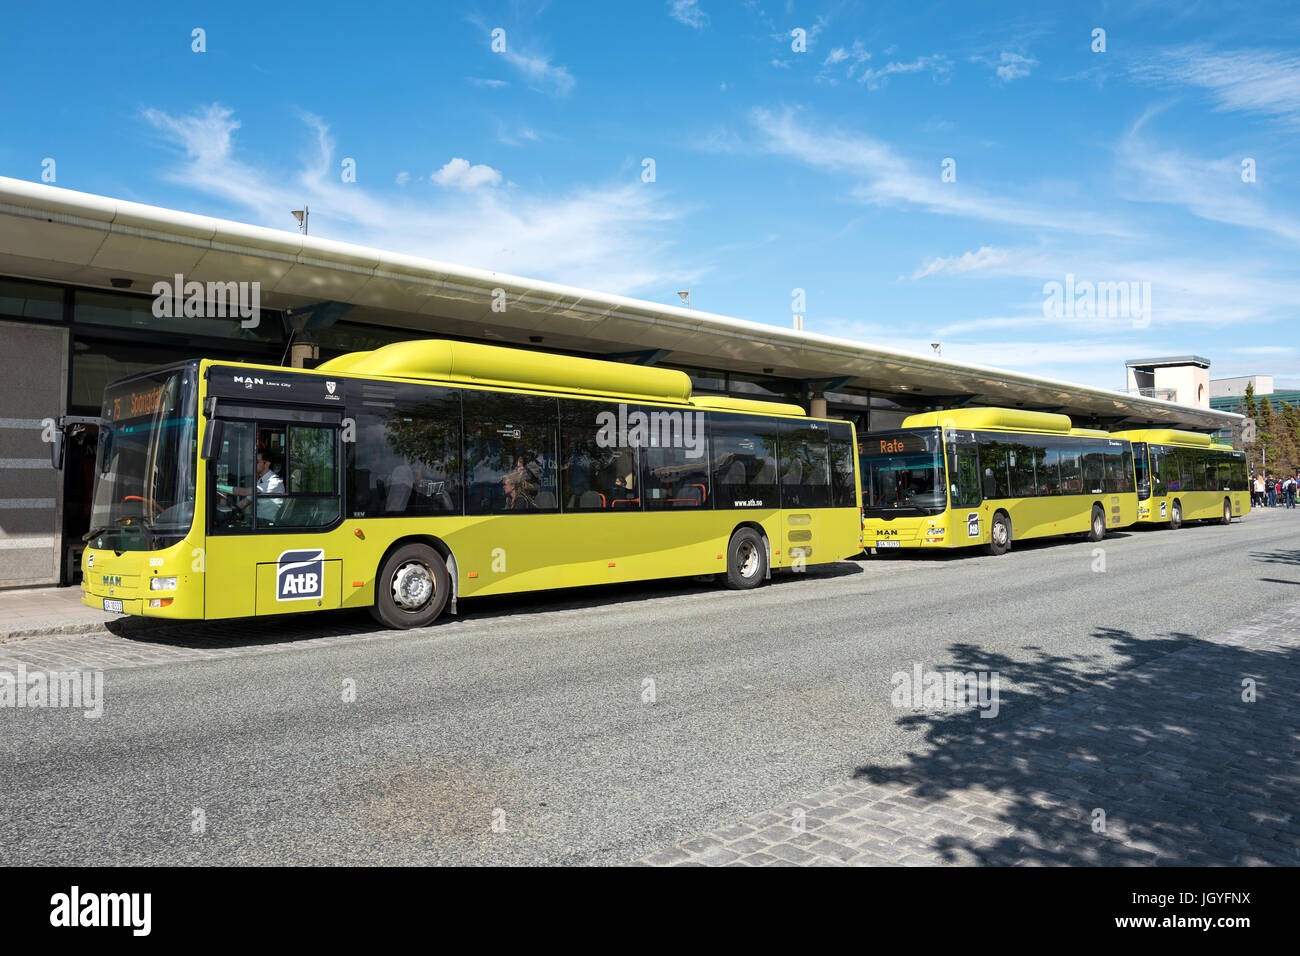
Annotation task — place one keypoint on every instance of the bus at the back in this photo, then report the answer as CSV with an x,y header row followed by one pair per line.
x,y
989,476
1187,476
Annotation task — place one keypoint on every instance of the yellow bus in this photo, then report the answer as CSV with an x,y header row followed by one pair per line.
x,y
988,476
402,479
1187,476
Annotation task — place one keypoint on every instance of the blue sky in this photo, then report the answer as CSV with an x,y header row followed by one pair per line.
x,y
775,169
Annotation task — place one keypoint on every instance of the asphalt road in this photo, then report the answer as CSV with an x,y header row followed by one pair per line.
x,y
530,712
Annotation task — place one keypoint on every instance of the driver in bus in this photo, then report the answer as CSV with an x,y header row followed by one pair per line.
x,y
268,483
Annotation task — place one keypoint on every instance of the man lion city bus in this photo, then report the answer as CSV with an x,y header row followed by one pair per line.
x,y
988,476
1187,476
406,477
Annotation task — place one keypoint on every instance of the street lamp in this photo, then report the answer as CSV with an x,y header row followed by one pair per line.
x,y
301,215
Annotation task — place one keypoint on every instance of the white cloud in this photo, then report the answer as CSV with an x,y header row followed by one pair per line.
x,y
873,78
604,236
886,179
1211,189
688,12
985,257
491,84
459,173
1014,66
537,69
1250,81
402,178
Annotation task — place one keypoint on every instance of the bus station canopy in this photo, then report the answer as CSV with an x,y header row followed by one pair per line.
x,y
59,235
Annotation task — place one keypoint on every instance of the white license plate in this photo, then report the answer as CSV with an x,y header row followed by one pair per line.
x,y
888,544
114,606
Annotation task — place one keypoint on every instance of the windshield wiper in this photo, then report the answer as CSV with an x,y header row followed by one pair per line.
x,y
149,532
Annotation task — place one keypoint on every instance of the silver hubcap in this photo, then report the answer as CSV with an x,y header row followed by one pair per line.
x,y
1098,525
1000,533
412,586
747,558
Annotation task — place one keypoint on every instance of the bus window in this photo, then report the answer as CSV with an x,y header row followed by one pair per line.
x,y
675,470
742,457
1094,480
1047,466
1020,459
804,465
509,453
902,472
1141,471
844,492
993,461
963,476
1071,476
232,471
406,457
597,473
1156,453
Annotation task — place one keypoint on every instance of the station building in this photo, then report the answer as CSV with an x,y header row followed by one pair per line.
x,y
78,310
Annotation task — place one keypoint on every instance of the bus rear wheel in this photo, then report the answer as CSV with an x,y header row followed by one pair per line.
x,y
1000,534
746,560
412,587
1097,530
1227,511
1176,514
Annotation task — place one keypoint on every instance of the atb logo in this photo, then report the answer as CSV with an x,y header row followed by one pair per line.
x,y
300,576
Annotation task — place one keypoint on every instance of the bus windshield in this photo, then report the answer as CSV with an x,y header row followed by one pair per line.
x,y
146,461
902,473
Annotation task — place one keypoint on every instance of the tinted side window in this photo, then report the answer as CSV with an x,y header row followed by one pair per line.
x,y
510,453
993,470
1047,465
406,456
1094,468
1020,459
1071,473
676,467
742,457
805,465
844,458
599,468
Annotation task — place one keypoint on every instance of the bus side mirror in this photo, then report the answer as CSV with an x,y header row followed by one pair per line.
x,y
211,440
56,449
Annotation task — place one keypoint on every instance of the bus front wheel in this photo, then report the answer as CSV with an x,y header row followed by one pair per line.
x,y
1000,534
412,587
1176,514
1097,530
746,560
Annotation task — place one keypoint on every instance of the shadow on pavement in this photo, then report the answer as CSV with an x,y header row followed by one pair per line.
x,y
1184,770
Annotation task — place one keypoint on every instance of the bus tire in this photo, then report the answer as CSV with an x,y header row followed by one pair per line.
x,y
1097,530
1227,511
1175,514
1000,534
746,560
412,587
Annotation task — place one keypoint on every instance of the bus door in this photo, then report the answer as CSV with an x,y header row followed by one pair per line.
x,y
273,487
964,495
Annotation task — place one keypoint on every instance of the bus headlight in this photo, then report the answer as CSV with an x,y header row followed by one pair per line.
x,y
162,584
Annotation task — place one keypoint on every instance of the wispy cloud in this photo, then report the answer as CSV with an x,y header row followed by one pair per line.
x,y
885,178
1211,189
539,71
1265,82
689,13
1014,66
607,236
985,257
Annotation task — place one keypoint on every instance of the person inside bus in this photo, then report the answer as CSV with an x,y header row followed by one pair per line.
x,y
517,497
268,484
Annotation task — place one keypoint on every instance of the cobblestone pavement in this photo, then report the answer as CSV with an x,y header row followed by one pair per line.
x,y
1168,756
